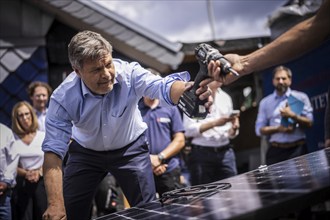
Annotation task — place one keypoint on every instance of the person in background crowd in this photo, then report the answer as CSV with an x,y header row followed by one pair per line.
x,y
39,93
212,157
96,106
165,135
295,42
30,195
8,169
286,140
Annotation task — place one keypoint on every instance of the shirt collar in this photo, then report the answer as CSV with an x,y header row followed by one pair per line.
x,y
85,90
38,113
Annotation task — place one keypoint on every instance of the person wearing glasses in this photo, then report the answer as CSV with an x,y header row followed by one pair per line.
x,y
29,194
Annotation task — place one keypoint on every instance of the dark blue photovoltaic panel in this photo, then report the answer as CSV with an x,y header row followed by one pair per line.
x,y
265,193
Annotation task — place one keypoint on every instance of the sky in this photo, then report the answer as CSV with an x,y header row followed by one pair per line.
x,y
188,21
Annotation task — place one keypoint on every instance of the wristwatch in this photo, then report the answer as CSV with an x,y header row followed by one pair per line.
x,y
161,157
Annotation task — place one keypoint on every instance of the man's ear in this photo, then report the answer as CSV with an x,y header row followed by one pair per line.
x,y
77,71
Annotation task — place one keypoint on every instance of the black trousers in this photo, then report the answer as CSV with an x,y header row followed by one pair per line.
x,y
29,200
86,168
276,154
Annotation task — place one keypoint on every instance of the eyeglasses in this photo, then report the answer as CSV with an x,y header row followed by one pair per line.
x,y
22,115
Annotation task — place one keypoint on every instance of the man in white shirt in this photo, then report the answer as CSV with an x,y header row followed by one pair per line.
x,y
212,157
8,170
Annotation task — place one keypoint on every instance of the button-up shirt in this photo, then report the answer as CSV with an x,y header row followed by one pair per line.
x,y
217,136
41,119
8,158
269,115
105,122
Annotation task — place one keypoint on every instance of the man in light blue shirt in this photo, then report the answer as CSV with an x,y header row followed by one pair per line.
x,y
39,93
286,140
96,107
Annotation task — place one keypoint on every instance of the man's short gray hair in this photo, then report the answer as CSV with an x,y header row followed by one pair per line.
x,y
87,45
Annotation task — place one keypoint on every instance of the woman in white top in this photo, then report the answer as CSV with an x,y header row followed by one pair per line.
x,y
30,200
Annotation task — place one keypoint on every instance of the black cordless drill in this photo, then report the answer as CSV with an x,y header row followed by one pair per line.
x,y
189,102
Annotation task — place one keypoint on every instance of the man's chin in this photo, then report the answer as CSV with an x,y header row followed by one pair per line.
x,y
281,89
105,91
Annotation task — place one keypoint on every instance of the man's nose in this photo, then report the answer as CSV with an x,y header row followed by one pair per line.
x,y
106,72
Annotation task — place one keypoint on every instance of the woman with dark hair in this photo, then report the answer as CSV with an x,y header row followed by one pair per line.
x,y
30,200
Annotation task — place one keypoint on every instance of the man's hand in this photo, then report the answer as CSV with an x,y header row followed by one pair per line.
x,y
3,187
204,92
284,129
214,70
154,161
32,176
287,112
160,169
235,60
235,122
54,213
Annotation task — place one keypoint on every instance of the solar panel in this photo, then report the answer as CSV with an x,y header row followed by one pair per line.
x,y
264,193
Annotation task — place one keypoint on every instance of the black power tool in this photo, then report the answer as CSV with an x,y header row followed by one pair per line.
x,y
189,102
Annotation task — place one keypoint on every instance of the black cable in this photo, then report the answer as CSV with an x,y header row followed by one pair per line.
x,y
194,191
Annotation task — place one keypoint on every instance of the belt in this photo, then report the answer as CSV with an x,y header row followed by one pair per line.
x,y
288,145
211,149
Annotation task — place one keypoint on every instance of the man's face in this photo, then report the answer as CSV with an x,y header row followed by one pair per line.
x,y
281,81
98,75
40,98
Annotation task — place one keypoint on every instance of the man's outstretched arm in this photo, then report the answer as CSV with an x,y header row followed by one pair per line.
x,y
295,42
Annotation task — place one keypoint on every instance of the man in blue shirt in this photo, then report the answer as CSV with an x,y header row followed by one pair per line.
x,y
97,107
165,139
285,140
39,93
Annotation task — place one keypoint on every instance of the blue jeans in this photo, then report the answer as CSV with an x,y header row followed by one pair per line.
x,y
209,164
5,207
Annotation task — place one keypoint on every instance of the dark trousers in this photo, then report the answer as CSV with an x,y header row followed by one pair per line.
x,y
29,200
168,181
209,164
86,168
277,154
